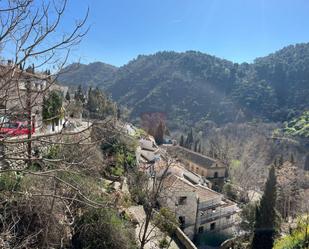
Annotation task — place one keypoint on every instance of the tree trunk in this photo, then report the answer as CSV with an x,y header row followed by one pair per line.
x,y
29,122
147,222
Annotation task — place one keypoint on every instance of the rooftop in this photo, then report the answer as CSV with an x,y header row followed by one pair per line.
x,y
174,183
197,158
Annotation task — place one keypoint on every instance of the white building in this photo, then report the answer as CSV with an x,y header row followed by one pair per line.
x,y
198,209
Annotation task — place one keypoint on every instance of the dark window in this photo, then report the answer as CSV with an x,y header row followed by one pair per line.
x,y
24,126
182,200
216,175
13,125
201,229
213,226
182,221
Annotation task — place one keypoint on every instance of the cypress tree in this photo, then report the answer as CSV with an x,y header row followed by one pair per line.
x,y
67,96
186,144
118,113
292,158
91,105
280,161
79,96
199,148
189,140
266,215
159,133
195,146
181,143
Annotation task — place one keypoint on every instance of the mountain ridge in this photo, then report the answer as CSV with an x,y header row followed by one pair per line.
x,y
192,86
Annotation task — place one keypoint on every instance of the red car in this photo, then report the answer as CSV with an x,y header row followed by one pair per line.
x,y
16,128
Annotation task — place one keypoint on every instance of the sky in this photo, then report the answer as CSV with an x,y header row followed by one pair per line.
x,y
237,30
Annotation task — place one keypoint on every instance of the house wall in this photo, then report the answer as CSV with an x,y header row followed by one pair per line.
x,y
202,165
208,173
224,218
58,126
170,199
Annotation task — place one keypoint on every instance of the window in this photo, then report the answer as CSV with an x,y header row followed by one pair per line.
x,y
24,126
216,175
213,226
13,125
182,221
201,229
182,200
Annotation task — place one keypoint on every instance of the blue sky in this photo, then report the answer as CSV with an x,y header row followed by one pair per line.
x,y
238,30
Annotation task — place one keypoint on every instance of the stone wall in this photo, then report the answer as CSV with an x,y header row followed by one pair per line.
x,y
185,241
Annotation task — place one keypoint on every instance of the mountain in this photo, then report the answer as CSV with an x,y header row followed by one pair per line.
x,y
194,87
94,74
181,85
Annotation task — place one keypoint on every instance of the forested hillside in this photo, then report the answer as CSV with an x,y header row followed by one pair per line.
x,y
194,87
93,74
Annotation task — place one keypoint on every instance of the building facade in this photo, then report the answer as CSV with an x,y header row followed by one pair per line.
x,y
209,168
198,209
22,93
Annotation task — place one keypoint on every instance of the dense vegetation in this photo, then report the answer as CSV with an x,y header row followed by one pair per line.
x,y
298,238
298,126
194,87
52,106
94,74
98,105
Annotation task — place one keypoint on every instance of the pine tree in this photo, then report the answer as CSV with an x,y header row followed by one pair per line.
x,y
266,215
181,143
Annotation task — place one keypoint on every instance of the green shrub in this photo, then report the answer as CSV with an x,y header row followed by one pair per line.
x,y
166,221
298,239
102,229
10,181
163,243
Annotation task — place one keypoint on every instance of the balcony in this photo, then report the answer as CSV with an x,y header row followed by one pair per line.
x,y
214,216
213,203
